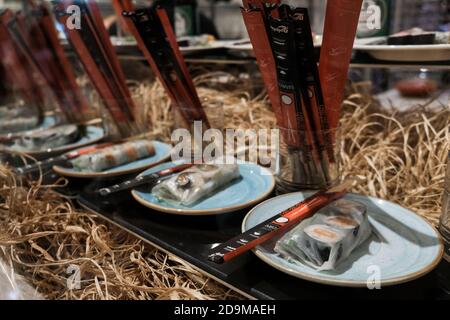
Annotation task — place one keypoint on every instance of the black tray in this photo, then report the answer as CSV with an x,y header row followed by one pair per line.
x,y
190,239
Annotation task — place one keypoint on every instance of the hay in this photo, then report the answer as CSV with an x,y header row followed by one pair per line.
x,y
44,235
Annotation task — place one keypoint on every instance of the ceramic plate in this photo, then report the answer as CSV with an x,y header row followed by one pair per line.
x,y
402,247
245,45
255,185
92,135
162,153
47,122
432,52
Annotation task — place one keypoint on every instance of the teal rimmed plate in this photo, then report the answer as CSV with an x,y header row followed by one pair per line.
x,y
162,153
90,135
403,246
256,184
47,122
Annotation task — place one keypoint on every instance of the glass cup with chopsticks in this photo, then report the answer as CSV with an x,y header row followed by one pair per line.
x,y
444,224
307,160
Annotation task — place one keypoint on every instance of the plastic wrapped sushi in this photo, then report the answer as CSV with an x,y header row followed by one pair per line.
x,y
49,138
329,237
196,183
114,156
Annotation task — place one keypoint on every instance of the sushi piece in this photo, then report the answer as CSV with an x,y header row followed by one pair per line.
x,y
327,238
114,156
195,183
49,138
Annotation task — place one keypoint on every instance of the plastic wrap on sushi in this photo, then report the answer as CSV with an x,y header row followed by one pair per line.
x,y
49,138
114,156
329,237
196,183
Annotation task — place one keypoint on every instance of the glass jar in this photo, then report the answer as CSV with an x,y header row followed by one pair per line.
x,y
307,160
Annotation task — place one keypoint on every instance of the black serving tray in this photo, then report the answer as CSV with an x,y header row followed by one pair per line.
x,y
190,239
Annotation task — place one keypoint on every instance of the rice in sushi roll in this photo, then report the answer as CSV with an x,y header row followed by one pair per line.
x,y
114,156
327,238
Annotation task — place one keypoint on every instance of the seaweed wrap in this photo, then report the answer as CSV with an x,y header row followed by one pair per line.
x,y
329,237
196,183
114,156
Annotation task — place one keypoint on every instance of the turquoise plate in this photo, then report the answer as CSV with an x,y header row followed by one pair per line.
x,y
256,184
162,153
402,247
47,122
92,134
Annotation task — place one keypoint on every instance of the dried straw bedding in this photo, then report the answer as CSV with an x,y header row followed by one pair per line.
x,y
41,234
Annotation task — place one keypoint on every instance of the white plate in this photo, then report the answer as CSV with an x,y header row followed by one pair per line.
x,y
255,185
162,153
432,52
92,135
245,45
403,246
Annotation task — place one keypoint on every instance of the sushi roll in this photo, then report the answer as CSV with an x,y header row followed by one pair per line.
x,y
196,183
114,156
49,138
327,238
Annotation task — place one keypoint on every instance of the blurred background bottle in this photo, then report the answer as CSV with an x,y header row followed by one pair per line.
x,y
186,18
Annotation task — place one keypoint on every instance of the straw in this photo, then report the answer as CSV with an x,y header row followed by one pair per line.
x,y
402,155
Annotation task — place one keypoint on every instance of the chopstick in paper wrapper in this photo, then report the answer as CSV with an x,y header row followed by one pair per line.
x,y
37,36
45,164
155,37
279,223
18,70
16,27
95,22
341,22
66,74
120,6
95,51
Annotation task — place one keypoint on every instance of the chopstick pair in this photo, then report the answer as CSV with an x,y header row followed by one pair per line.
x,y
18,71
304,110
94,49
37,37
341,23
141,180
281,222
156,39
48,163
295,99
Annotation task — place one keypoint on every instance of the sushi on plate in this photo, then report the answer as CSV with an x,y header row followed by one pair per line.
x,y
329,237
114,156
196,183
49,138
